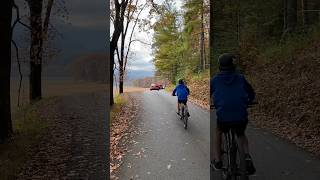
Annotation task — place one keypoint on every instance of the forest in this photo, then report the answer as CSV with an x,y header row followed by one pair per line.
x,y
277,48
181,40
252,30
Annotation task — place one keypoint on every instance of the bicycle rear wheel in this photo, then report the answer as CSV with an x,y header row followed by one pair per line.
x,y
184,117
225,155
243,175
185,121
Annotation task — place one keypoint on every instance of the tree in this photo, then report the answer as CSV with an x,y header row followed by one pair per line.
x,y
167,43
5,68
311,10
38,33
118,18
290,15
195,36
123,56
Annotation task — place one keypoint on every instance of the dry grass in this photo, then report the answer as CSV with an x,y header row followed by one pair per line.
x,y
28,130
54,87
29,126
130,90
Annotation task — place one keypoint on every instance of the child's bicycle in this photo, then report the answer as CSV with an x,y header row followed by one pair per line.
x,y
183,114
233,156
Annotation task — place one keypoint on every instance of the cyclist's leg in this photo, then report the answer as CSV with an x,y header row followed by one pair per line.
x,y
243,141
217,162
217,144
242,138
186,106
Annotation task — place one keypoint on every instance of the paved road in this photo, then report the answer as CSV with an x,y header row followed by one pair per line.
x,y
167,151
170,151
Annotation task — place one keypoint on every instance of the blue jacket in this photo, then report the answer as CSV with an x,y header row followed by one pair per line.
x,y
232,94
182,92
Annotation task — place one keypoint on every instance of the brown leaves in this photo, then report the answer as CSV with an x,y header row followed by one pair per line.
x,y
200,92
120,133
289,98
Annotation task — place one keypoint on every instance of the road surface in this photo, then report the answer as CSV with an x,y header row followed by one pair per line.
x,y
165,150
168,151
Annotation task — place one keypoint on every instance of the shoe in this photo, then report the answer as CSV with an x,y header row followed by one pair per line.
x,y
250,167
178,113
188,114
216,165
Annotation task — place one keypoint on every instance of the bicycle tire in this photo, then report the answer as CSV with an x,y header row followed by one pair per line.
x,y
243,175
225,174
185,122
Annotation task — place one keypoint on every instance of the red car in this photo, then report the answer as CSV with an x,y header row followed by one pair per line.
x,y
154,87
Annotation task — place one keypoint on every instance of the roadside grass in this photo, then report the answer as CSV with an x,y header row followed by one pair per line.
x,y
289,48
200,76
119,101
170,88
28,130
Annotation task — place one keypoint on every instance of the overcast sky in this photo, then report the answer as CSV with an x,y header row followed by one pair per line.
x,y
85,31
141,54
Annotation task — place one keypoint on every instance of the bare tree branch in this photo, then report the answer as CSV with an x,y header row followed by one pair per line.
x,y
18,20
140,41
131,35
47,19
19,68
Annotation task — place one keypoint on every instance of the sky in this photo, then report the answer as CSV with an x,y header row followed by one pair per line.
x,y
85,31
141,54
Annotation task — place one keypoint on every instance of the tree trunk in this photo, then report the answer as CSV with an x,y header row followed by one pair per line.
x,y
121,60
47,19
202,55
312,14
121,81
35,49
111,75
5,68
291,19
118,27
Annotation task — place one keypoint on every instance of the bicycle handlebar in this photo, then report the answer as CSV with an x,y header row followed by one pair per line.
x,y
212,106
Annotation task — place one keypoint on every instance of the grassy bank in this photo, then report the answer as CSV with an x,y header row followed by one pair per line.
x,y
119,102
199,88
29,128
287,83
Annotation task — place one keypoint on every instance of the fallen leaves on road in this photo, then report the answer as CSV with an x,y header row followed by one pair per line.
x,y
120,132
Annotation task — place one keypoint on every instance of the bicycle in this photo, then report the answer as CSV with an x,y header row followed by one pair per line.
x,y
233,156
183,114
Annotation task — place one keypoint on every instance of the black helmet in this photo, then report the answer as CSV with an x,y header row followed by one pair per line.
x,y
181,81
226,62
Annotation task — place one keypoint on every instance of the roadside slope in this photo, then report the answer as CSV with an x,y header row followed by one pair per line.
x,y
289,97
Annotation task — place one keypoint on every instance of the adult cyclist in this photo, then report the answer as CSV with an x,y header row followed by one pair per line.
x,y
231,95
182,91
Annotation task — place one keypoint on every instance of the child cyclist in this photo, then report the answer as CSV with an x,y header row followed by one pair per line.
x,y
182,91
231,95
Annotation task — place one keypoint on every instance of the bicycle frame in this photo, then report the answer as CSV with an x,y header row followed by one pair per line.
x,y
184,116
231,151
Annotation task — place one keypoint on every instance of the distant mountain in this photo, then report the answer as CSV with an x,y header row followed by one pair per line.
x,y
137,74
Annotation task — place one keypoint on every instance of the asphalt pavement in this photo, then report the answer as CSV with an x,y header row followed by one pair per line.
x,y
164,150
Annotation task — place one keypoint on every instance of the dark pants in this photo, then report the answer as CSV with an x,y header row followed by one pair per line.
x,y
240,127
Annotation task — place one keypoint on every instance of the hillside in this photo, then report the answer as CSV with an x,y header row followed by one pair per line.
x,y
289,97
199,89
